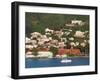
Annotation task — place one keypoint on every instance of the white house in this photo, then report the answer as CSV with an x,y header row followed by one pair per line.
x,y
61,44
79,34
49,30
79,22
27,40
83,44
29,46
71,38
35,35
33,42
72,44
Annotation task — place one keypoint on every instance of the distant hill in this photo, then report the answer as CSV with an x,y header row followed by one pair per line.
x,y
39,21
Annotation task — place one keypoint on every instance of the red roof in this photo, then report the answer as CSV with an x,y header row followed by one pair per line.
x,y
69,51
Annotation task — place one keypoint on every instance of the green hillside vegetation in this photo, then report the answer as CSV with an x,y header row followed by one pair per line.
x,y
39,21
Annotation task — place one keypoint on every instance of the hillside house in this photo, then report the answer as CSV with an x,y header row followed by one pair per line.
x,y
77,22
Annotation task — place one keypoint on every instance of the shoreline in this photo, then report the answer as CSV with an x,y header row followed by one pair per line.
x,y
56,57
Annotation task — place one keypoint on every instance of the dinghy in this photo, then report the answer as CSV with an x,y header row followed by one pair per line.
x,y
66,61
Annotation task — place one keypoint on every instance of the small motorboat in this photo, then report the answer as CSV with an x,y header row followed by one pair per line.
x,y
66,61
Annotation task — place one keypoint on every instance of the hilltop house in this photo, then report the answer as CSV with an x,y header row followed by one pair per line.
x,y
75,22
78,22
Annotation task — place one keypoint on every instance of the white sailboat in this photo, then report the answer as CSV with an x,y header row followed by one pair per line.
x,y
66,61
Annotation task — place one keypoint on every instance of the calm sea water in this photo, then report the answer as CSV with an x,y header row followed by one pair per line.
x,y
55,62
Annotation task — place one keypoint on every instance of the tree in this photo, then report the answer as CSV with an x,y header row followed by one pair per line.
x,y
35,50
54,50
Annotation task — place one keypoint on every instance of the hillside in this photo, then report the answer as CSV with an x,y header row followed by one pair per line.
x,y
39,22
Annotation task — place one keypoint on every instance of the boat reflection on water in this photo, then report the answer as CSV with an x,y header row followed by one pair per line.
x,y
65,61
